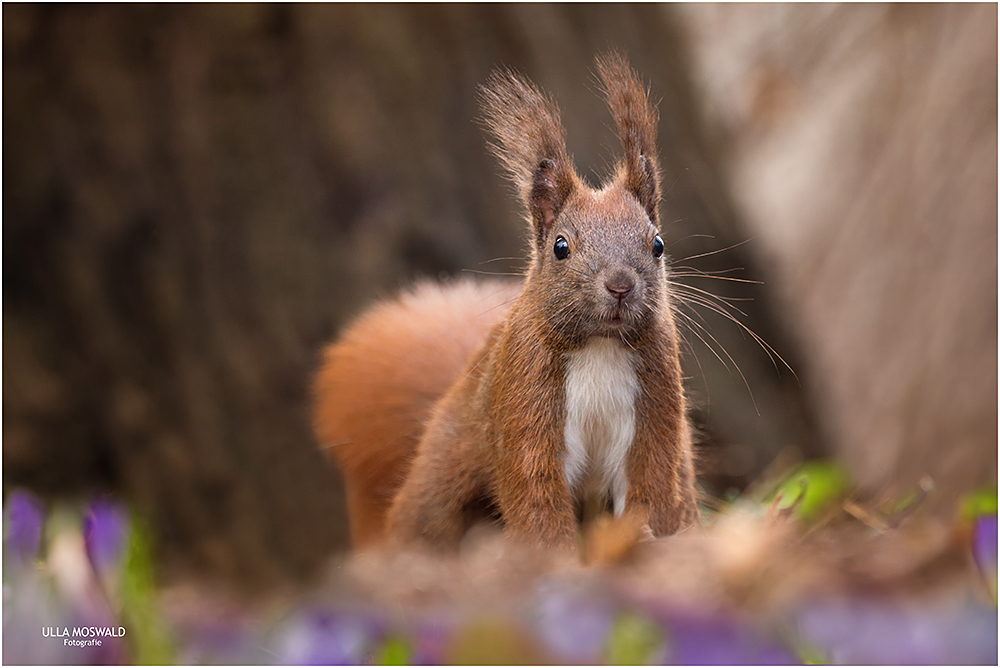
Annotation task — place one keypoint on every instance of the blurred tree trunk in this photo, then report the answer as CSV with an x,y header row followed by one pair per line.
x,y
861,144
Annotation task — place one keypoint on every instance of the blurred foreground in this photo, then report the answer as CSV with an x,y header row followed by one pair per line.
x,y
799,573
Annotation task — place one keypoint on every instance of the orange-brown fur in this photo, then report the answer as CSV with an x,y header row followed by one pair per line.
x,y
498,433
378,382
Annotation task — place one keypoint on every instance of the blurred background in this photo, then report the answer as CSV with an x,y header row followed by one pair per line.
x,y
197,198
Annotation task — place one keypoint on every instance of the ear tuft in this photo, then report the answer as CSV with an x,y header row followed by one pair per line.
x,y
530,142
635,119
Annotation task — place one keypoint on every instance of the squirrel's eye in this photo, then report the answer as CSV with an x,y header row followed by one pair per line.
x,y
657,246
561,249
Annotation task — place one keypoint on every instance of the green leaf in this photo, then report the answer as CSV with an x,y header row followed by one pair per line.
x,y
634,640
815,486
394,652
979,503
811,656
145,630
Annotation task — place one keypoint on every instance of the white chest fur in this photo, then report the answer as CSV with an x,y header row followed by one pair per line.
x,y
601,387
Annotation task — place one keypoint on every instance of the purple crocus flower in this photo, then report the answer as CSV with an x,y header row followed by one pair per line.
x,y
572,624
432,638
984,548
327,638
220,641
721,640
23,517
105,534
879,632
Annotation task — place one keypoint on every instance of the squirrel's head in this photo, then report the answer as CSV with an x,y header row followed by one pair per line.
x,y
598,266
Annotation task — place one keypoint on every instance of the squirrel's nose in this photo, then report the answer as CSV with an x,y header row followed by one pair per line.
x,y
620,286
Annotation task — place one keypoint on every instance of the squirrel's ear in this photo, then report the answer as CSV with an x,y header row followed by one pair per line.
x,y
531,144
636,121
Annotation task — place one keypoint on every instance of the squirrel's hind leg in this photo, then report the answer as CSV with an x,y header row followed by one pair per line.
x,y
431,505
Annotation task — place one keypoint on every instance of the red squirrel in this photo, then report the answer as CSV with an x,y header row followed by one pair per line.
x,y
533,400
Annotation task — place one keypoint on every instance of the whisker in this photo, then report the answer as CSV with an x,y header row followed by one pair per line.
x,y
771,352
690,236
707,273
738,370
674,183
715,252
720,300
703,326
692,323
500,305
691,272
496,273
724,302
712,306
694,354
718,278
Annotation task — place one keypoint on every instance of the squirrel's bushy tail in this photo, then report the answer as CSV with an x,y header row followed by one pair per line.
x,y
379,380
